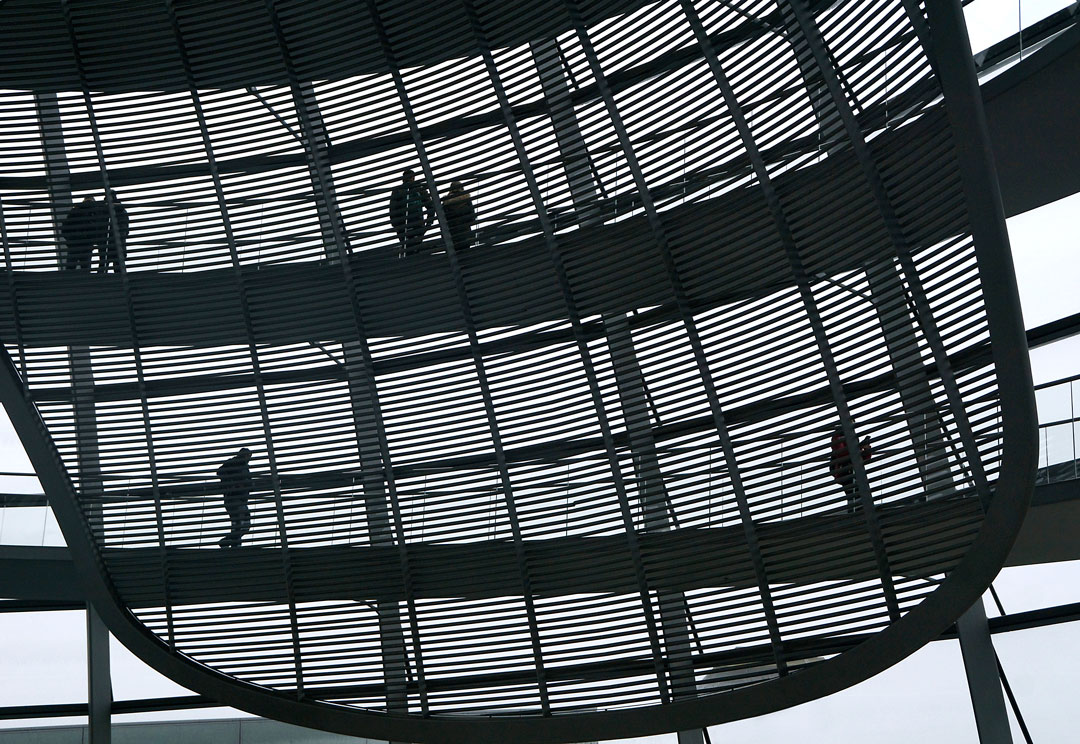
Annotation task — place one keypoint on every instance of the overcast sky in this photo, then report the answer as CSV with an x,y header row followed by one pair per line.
x,y
923,697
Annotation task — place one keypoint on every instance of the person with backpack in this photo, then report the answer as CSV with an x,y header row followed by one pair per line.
x,y
235,476
411,213
84,227
460,215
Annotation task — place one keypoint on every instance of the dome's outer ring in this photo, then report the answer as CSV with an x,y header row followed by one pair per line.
x,y
921,625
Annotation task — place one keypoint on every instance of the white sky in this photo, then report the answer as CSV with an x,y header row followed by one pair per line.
x,y
923,697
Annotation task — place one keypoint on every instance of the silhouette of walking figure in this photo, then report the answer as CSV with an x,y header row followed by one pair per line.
x,y
411,213
843,470
460,215
235,478
86,225
114,246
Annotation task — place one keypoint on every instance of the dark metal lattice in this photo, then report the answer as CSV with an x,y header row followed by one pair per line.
x,y
565,474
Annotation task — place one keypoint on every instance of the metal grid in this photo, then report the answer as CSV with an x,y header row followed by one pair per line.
x,y
574,469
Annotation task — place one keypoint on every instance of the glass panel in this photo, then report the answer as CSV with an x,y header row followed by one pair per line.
x,y
1054,404
1046,263
1024,588
1033,11
1058,443
991,21
1041,667
44,657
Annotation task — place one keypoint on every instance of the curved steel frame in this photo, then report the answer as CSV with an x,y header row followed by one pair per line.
x,y
909,626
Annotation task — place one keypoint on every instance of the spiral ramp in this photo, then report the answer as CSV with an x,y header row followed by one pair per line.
x,y
568,478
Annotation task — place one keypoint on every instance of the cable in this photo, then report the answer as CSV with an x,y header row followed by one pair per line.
x,y
1004,679
1012,700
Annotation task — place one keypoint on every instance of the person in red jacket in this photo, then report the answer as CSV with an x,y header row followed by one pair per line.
x,y
843,470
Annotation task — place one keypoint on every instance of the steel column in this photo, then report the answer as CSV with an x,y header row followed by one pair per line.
x,y
92,498
633,394
810,306
686,316
99,678
479,366
980,664
58,177
888,294
574,317
809,29
57,171
691,736
316,142
363,392
658,511
573,152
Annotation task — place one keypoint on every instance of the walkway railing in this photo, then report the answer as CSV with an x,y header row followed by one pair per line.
x,y
25,520
1059,430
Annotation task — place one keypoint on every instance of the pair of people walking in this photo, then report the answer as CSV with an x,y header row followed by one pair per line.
x,y
412,212
96,225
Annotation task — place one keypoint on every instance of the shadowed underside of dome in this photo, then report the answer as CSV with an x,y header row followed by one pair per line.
x,y
692,412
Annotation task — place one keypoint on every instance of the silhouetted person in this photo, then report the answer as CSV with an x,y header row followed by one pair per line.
x,y
460,215
842,468
114,247
85,226
235,478
411,213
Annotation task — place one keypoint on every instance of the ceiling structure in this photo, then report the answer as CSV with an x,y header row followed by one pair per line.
x,y
553,481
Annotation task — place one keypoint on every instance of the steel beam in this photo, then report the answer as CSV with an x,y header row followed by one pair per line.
x,y
363,393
